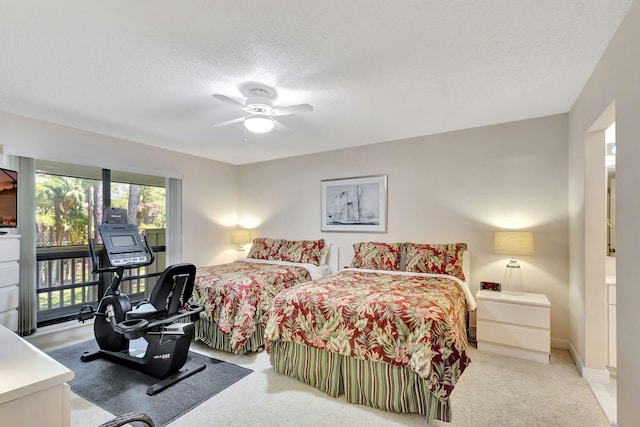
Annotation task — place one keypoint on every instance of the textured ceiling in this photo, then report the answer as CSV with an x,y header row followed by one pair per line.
x,y
373,70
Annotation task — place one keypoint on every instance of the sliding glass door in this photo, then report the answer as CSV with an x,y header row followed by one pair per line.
x,y
70,201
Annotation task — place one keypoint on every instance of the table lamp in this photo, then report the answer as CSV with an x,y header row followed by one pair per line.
x,y
241,236
513,243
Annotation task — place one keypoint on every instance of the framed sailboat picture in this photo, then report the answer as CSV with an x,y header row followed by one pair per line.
x,y
354,204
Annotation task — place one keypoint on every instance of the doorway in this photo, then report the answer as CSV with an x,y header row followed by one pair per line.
x,y
599,246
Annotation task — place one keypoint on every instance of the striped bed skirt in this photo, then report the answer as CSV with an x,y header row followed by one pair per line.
x,y
207,332
375,384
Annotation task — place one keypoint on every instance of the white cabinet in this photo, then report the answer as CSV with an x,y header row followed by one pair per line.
x,y
515,325
611,297
33,387
9,277
610,281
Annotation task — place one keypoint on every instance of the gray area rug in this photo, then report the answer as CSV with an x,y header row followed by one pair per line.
x,y
119,389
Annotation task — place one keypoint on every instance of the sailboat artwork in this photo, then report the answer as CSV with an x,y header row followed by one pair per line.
x,y
354,204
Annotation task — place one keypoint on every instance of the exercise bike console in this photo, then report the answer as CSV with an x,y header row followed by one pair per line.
x,y
162,326
123,246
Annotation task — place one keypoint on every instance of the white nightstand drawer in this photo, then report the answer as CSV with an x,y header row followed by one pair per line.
x,y
516,325
514,336
518,314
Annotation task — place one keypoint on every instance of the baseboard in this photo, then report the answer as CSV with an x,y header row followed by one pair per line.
x,y
601,376
55,335
559,343
596,375
576,358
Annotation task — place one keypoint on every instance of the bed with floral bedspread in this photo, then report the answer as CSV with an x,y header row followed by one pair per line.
x,y
394,340
237,296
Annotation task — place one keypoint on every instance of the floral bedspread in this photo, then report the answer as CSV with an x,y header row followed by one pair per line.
x,y
411,321
238,295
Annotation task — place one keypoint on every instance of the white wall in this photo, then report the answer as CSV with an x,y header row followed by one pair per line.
x,y
208,187
454,187
616,78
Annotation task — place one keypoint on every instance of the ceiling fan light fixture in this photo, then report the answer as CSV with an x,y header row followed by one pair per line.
x,y
258,123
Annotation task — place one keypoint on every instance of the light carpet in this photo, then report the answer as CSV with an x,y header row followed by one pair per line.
x,y
493,391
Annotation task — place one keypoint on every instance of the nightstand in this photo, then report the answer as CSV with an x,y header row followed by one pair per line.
x,y
514,325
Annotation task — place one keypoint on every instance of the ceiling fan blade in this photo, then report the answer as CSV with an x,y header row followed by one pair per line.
x,y
280,127
229,122
300,108
229,101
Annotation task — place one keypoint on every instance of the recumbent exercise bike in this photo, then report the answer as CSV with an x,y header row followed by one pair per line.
x,y
165,321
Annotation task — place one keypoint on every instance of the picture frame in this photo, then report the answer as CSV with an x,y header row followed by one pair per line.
x,y
356,204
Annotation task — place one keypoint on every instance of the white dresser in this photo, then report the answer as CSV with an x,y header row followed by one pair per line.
x,y
9,277
514,325
33,387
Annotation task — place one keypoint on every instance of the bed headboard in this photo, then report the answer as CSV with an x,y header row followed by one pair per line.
x,y
333,258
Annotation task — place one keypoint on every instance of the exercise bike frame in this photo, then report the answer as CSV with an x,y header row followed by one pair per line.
x,y
167,341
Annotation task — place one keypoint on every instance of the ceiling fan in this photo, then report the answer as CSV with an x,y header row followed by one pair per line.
x,y
260,111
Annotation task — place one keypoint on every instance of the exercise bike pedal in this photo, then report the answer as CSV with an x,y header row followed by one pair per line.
x,y
88,356
86,313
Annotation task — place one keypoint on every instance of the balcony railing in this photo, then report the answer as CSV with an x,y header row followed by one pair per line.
x,y
66,283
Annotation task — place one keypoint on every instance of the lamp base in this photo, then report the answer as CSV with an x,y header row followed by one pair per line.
x,y
513,283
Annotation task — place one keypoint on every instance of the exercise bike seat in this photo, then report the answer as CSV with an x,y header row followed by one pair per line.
x,y
144,311
171,293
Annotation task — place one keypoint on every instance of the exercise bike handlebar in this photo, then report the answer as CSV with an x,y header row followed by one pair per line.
x,y
96,264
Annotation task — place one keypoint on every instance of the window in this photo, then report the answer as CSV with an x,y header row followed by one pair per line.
x,y
68,210
145,204
69,206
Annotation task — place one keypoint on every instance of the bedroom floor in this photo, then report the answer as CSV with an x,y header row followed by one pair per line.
x,y
494,390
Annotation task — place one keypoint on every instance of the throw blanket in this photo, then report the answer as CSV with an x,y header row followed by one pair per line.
x,y
238,295
412,321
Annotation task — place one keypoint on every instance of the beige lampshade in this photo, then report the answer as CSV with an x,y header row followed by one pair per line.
x,y
241,236
513,243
